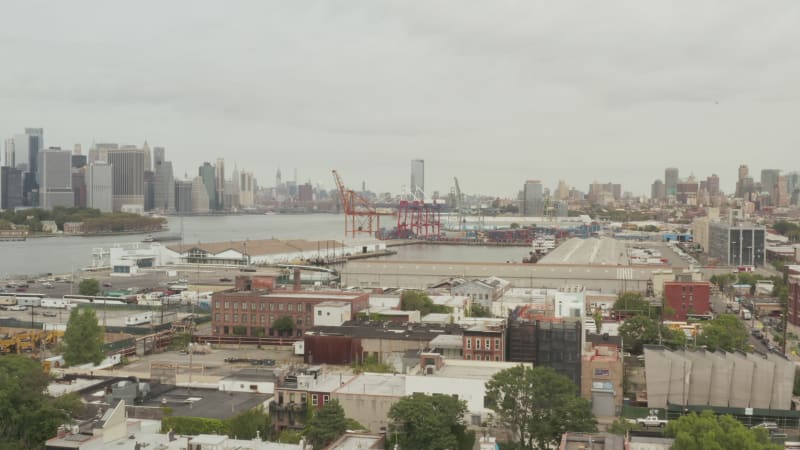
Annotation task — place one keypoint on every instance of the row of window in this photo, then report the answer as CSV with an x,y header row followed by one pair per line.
x,y
254,318
487,343
262,306
291,396
479,357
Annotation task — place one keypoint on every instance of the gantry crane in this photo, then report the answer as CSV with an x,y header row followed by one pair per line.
x,y
360,215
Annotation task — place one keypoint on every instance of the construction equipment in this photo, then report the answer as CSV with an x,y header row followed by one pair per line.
x,y
360,215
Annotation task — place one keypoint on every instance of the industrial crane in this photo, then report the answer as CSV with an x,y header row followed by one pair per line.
x,y
360,215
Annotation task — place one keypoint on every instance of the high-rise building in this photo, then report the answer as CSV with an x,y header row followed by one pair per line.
x,y
658,191
10,188
532,199
305,193
562,191
207,173
79,187
100,186
671,178
149,190
183,196
712,184
231,197
128,165
55,178
744,171
9,155
246,190
200,198
148,160
769,183
99,152
79,161
219,178
164,195
780,193
417,186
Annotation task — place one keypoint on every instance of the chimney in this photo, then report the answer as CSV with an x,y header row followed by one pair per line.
x,y
296,279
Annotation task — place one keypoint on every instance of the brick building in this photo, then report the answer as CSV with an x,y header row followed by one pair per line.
x,y
485,342
686,297
253,307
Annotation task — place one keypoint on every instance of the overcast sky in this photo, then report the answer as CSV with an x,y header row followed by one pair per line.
x,y
492,92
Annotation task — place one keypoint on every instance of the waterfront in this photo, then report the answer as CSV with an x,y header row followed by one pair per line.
x,y
64,254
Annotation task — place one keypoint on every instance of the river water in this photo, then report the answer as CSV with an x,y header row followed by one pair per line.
x,y
64,254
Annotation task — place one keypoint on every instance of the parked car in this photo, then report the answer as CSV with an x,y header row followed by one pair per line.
x,y
107,284
651,421
758,334
225,280
49,314
770,426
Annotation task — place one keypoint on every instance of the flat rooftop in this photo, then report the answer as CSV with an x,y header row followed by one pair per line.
x,y
375,384
467,369
200,402
592,251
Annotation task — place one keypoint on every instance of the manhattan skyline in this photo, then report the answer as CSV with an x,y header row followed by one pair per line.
x,y
491,94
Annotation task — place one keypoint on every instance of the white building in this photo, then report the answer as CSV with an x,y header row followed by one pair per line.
x,y
458,303
249,380
99,182
332,313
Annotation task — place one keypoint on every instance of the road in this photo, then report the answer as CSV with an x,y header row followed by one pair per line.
x,y
719,304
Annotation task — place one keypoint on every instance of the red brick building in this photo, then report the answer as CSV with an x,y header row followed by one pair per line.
x,y
485,342
687,297
252,312
794,300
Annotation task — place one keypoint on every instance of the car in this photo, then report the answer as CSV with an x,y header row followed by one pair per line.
x,y
107,284
651,421
758,334
225,280
49,314
21,289
770,426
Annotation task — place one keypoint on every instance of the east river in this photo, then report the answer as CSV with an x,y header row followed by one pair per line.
x,y
65,254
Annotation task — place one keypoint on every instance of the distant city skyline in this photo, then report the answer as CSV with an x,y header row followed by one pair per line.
x,y
494,94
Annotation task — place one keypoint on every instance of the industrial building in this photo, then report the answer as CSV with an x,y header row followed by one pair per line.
x,y
252,310
546,342
718,379
737,245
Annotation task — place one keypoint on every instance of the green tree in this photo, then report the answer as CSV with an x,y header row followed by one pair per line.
x,y
538,406
478,310
707,431
29,416
194,425
246,424
632,303
371,364
434,422
290,436
419,301
89,286
622,426
327,425
638,331
726,332
83,338
284,324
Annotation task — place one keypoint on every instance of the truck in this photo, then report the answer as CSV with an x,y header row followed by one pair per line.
x,y
746,315
139,319
651,421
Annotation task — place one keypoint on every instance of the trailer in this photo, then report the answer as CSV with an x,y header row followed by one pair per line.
x,y
139,319
34,301
58,303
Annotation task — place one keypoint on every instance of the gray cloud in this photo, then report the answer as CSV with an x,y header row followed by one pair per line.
x,y
491,92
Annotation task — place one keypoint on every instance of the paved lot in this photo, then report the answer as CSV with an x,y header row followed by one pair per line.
x,y
213,364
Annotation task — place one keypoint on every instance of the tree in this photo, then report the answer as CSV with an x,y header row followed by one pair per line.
x,y
29,415
707,431
283,324
83,338
538,405
434,422
639,331
327,425
246,424
726,332
290,436
632,303
89,286
623,426
478,310
418,301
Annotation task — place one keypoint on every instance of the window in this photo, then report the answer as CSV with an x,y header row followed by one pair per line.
x,y
227,317
497,344
319,312
469,343
235,306
217,305
290,307
272,306
326,397
488,344
291,397
261,306
469,356
253,318
309,307
497,358
252,306
280,306
477,343
477,357
314,400
235,317
227,304
262,319
299,321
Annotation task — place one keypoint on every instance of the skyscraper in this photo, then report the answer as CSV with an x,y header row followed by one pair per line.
x,y
55,178
532,199
99,186
712,184
219,178
9,155
417,186
128,177
671,178
183,196
200,198
658,190
10,188
164,195
769,183
206,173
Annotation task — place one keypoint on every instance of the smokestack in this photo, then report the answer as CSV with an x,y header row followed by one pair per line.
x,y
296,279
